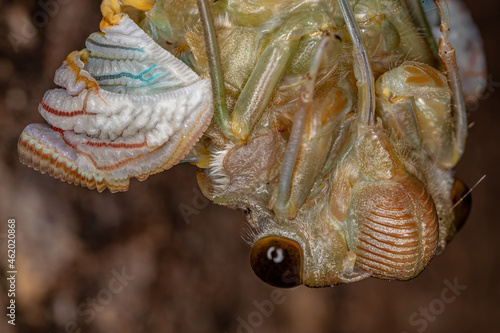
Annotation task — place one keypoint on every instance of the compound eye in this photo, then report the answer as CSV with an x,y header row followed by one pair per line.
x,y
462,209
277,261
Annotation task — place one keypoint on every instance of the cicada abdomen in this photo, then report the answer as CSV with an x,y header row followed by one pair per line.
x,y
394,230
336,125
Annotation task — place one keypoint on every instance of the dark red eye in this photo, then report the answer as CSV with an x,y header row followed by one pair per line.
x,y
462,209
277,261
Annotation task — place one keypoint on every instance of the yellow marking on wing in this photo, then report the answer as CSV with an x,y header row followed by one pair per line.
x,y
70,62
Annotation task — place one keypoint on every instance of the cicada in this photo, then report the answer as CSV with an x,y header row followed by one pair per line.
x,y
334,124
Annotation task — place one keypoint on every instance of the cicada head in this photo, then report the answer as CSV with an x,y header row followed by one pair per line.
x,y
293,255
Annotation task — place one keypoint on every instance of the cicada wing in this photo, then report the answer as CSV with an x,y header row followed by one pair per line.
x,y
127,108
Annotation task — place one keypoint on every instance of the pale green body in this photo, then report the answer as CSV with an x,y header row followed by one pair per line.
x,y
267,48
336,124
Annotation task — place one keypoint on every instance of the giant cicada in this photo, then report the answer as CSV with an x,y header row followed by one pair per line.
x,y
334,124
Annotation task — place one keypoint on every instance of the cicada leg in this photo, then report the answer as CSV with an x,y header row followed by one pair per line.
x,y
259,88
310,139
112,9
308,136
379,197
270,68
362,68
425,107
413,100
447,54
221,114
415,6
416,44
314,148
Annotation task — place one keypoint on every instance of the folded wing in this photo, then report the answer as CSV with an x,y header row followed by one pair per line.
x,y
126,108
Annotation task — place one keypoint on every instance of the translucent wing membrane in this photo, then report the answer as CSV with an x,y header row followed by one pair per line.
x,y
128,108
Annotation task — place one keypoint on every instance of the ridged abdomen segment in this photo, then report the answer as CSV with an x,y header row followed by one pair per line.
x,y
393,227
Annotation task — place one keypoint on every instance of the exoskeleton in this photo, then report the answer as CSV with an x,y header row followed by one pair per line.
x,y
334,124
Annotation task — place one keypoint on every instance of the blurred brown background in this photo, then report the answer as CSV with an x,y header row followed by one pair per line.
x,y
72,243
